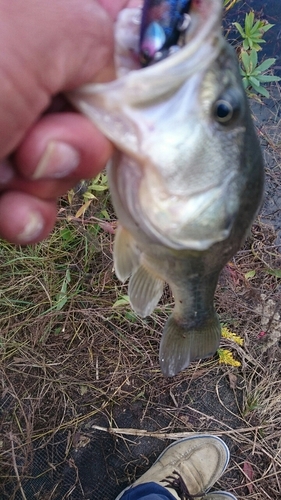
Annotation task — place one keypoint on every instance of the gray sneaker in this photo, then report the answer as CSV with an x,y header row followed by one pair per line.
x,y
189,467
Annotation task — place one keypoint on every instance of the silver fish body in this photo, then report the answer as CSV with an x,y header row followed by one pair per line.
x,y
186,180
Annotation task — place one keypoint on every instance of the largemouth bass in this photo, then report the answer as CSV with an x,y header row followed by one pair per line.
x,y
187,176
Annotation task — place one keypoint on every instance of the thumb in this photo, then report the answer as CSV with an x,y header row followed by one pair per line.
x,y
48,47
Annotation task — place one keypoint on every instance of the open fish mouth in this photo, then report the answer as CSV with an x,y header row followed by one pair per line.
x,y
201,46
144,113
197,46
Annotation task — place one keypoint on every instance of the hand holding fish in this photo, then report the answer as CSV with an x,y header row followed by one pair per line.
x,y
48,48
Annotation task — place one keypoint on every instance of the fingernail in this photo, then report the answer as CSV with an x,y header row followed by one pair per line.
x,y
33,227
58,160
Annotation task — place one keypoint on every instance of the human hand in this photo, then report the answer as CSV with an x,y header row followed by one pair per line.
x,y
48,48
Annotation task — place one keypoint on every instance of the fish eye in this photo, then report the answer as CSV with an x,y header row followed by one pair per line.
x,y
223,111
227,109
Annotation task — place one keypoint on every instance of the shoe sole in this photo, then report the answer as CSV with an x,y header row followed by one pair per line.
x,y
220,495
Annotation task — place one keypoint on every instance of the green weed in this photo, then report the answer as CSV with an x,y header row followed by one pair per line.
x,y
253,31
97,185
253,74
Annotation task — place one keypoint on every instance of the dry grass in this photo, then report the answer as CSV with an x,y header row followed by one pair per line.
x,y
70,361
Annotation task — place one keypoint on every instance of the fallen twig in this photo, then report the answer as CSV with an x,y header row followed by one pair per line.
x,y
172,435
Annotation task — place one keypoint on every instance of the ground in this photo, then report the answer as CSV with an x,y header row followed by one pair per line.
x,y
85,409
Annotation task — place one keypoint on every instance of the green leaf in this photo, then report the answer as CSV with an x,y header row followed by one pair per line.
x,y
261,90
62,297
245,82
253,59
99,187
266,27
256,27
249,21
253,81
123,301
61,303
104,214
245,60
89,196
250,274
257,39
67,234
274,272
131,316
265,65
269,78
240,29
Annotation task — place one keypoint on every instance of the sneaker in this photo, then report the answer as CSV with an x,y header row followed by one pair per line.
x,y
189,467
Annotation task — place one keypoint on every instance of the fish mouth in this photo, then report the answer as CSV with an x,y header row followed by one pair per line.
x,y
141,86
201,45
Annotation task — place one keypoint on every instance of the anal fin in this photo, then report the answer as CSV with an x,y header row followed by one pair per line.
x,y
125,254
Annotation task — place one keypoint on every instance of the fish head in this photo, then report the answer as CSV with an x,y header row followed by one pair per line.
x,y
182,126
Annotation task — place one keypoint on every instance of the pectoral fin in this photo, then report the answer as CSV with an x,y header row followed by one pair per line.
x,y
180,344
145,290
125,254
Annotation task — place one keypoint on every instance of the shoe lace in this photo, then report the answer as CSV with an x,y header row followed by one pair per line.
x,y
177,483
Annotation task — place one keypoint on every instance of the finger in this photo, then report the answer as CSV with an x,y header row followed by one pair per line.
x,y
24,218
42,189
49,48
62,146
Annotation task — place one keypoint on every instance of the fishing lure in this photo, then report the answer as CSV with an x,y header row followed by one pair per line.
x,y
162,23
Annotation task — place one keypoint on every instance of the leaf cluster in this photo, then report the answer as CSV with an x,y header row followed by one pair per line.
x,y
253,73
253,31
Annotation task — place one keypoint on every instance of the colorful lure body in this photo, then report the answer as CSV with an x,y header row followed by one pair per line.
x,y
161,25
